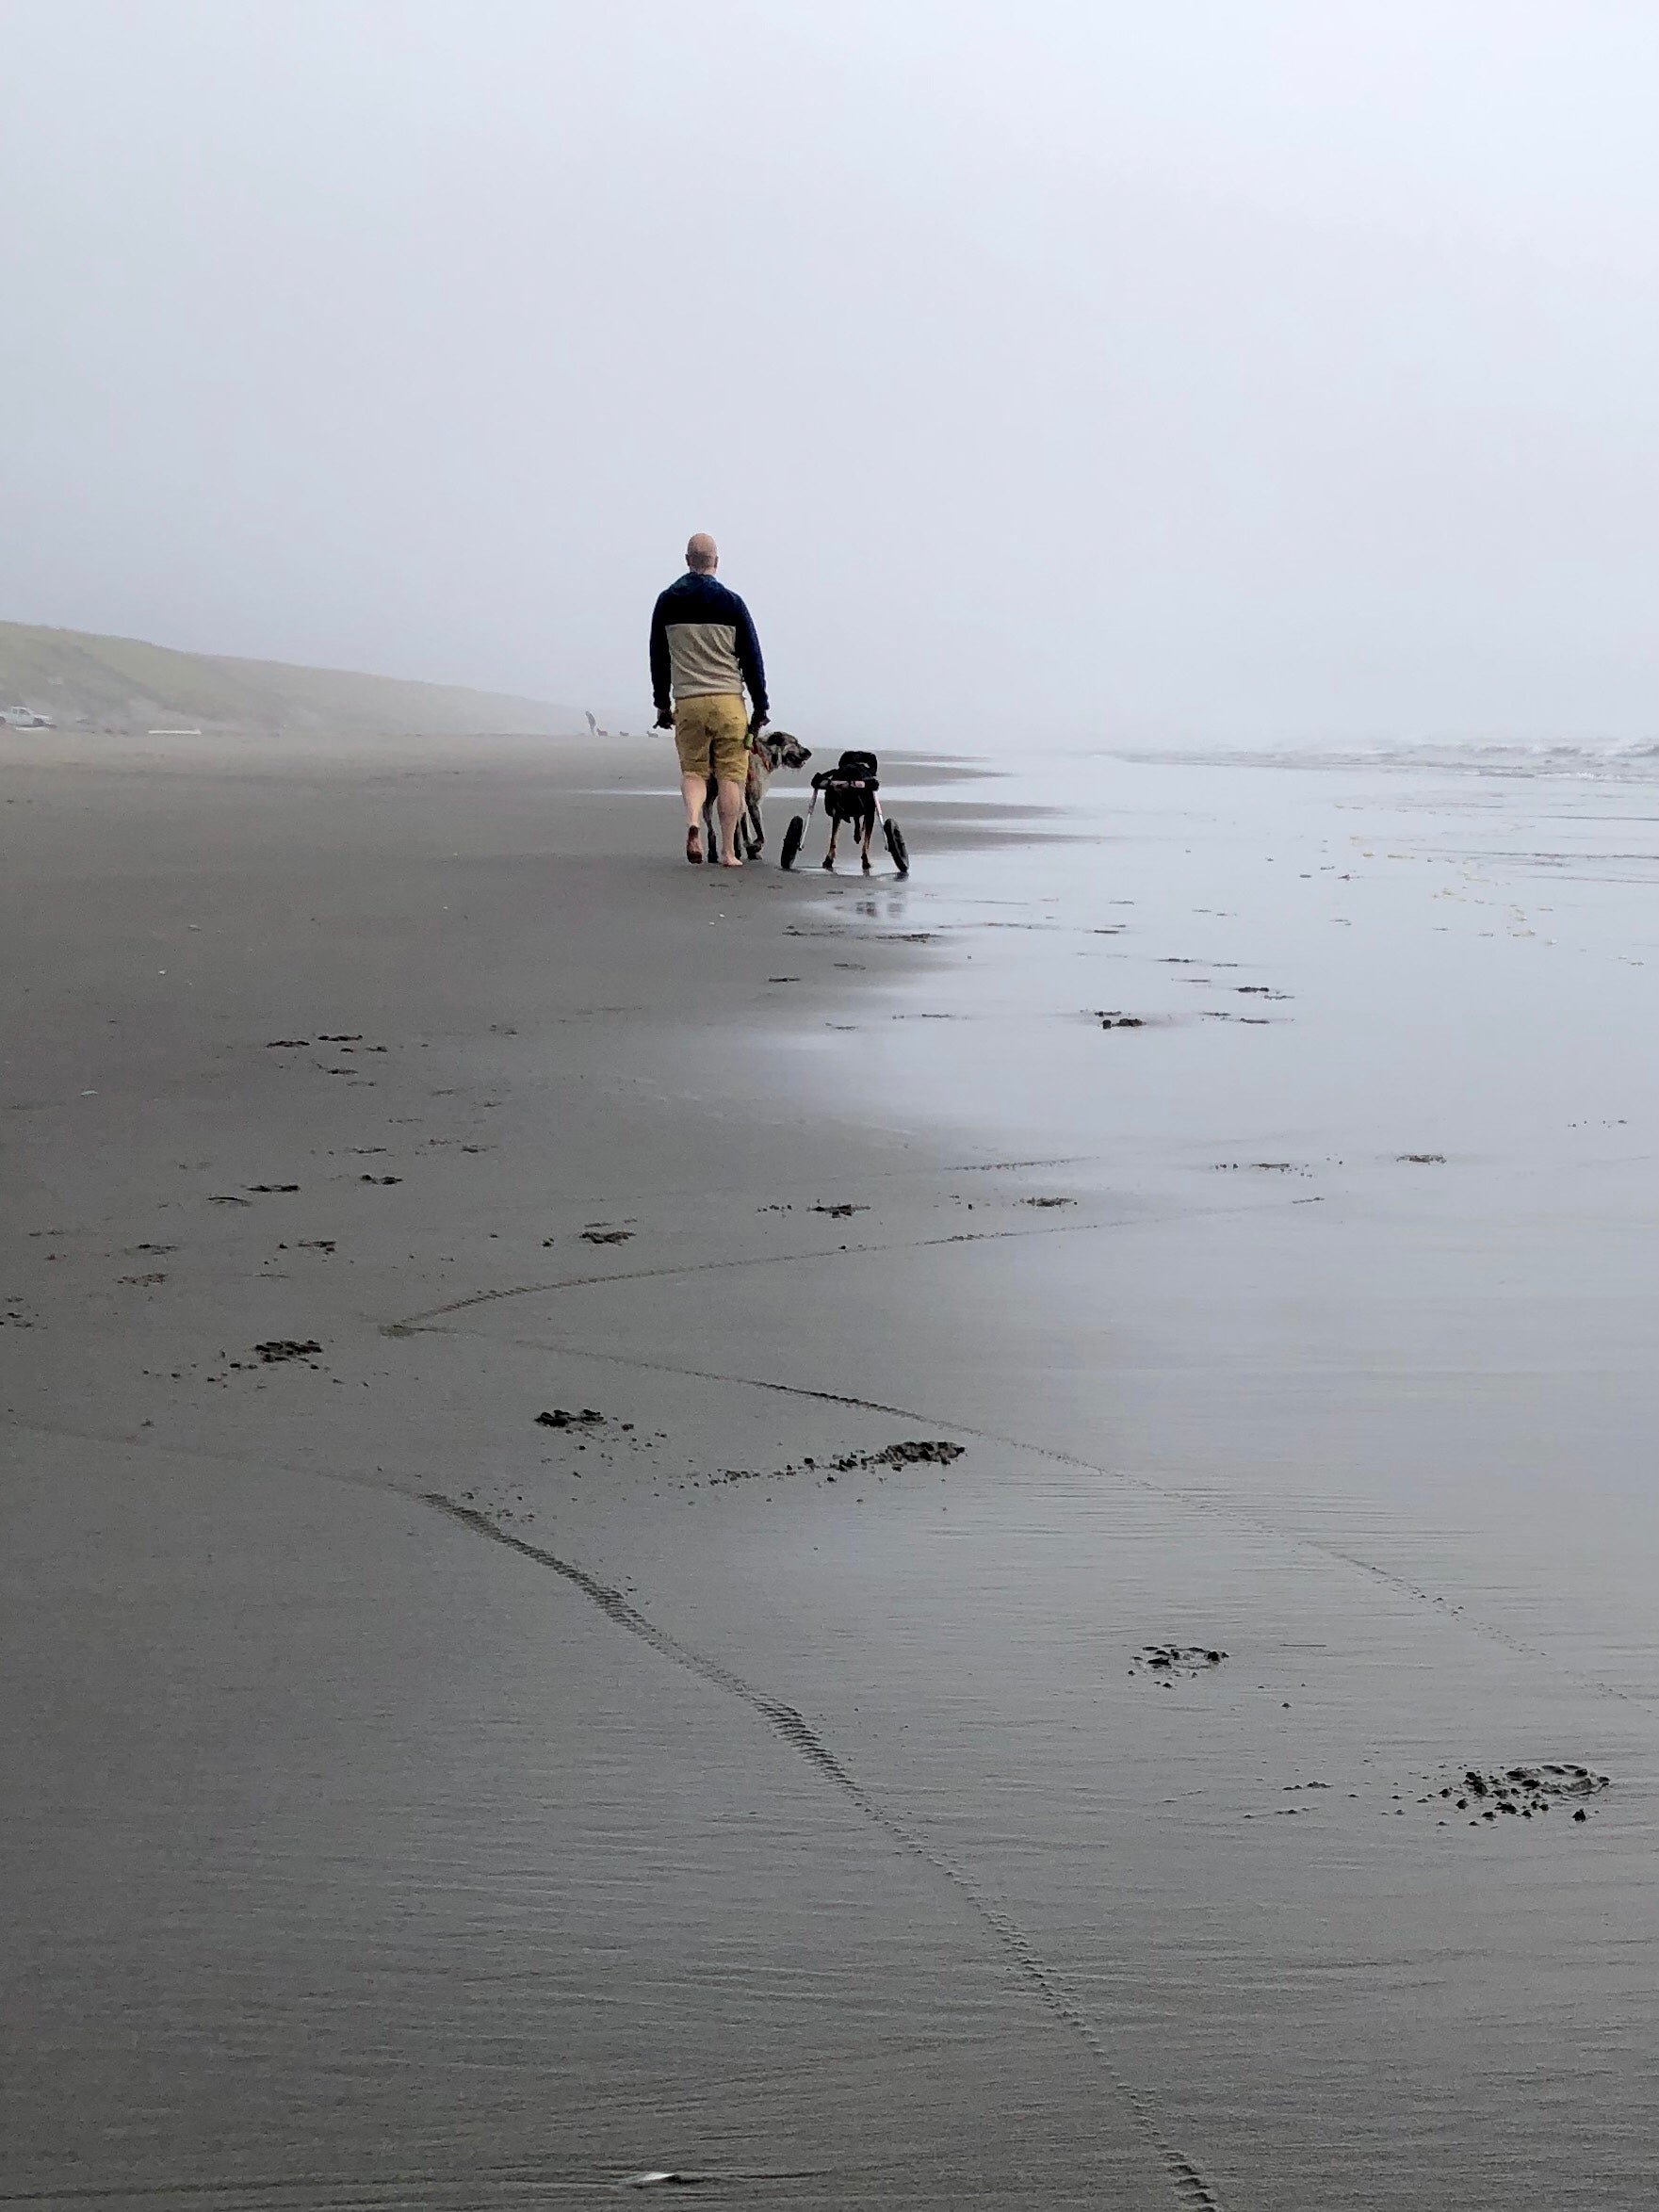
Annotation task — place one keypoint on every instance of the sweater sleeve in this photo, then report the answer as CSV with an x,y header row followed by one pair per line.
x,y
749,660
659,662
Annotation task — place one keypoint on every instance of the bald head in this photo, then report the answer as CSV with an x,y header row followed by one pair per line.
x,y
701,555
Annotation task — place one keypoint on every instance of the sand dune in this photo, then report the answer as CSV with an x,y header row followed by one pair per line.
x,y
127,685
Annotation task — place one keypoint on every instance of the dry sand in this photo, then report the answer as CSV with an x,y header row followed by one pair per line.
x,y
414,1802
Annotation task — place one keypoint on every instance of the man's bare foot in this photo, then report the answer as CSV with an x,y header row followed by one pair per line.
x,y
693,848
731,864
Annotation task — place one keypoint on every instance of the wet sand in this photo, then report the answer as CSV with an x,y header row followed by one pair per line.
x,y
418,1800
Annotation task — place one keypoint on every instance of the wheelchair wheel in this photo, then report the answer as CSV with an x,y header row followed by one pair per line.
x,y
792,838
896,846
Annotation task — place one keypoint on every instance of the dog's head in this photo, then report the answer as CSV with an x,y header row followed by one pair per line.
x,y
781,750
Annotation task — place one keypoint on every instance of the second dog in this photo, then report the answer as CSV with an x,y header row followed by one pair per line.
x,y
771,751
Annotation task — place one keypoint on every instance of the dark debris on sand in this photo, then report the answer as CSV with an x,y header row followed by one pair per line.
x,y
562,1417
913,1452
931,1451
1521,1791
277,1349
1168,1660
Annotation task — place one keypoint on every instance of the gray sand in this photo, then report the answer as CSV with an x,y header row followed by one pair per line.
x,y
414,1803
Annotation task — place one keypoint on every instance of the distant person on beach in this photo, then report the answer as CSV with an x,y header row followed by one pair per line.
x,y
704,651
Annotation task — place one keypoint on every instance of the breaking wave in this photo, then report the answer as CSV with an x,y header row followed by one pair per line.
x,y
1634,761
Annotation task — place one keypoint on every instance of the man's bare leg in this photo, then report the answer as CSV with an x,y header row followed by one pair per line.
x,y
693,789
730,800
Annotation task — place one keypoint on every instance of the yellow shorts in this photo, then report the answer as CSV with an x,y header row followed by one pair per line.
x,y
711,736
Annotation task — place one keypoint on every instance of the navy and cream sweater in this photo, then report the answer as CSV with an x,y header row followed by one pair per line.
x,y
703,641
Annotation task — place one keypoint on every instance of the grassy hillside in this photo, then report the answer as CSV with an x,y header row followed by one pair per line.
x,y
124,684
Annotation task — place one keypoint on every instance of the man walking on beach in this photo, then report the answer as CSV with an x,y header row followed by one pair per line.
x,y
704,649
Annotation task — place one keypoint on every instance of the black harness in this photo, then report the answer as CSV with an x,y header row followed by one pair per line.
x,y
849,789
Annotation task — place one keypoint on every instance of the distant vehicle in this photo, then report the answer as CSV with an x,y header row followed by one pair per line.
x,y
24,718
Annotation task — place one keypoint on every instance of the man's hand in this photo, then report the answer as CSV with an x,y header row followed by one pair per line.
x,y
664,719
757,722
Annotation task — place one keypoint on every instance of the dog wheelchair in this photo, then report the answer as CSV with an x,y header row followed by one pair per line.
x,y
849,795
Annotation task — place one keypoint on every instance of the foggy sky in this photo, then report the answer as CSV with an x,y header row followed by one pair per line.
x,y
1108,370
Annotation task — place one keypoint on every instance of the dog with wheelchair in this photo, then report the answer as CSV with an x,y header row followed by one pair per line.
x,y
850,801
